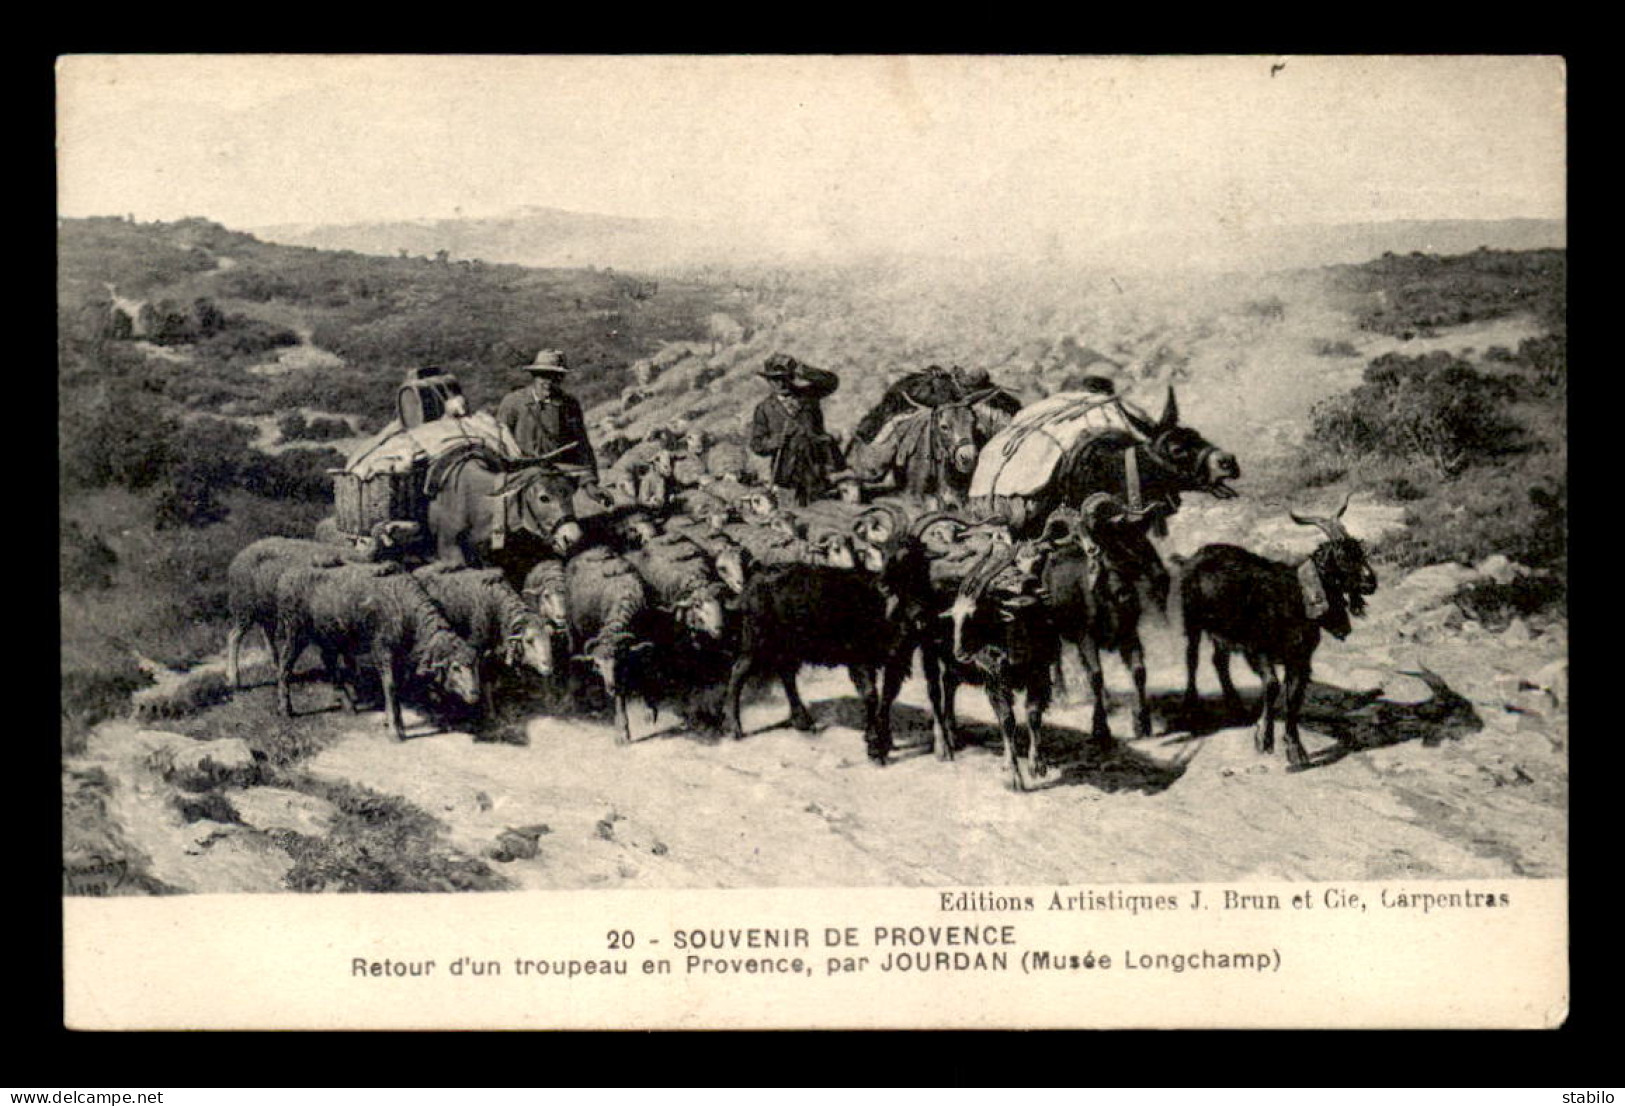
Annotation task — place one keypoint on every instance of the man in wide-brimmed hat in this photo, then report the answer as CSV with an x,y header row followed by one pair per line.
x,y
789,428
546,420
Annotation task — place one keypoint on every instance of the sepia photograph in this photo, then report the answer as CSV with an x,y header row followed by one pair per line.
x,y
1044,485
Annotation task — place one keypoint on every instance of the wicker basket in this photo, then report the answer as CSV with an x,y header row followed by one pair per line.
x,y
362,503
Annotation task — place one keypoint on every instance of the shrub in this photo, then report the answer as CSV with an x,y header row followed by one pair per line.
x,y
95,694
298,474
85,561
1434,408
1495,604
114,433
1324,347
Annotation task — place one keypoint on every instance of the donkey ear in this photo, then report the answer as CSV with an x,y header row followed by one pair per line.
x,y
1144,426
1170,412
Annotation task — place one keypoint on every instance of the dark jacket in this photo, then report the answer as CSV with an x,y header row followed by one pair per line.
x,y
541,426
790,430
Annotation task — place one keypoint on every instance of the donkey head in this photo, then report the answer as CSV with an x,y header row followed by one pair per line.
x,y
956,431
1197,463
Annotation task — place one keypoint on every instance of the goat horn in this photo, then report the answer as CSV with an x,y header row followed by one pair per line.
x,y
1346,497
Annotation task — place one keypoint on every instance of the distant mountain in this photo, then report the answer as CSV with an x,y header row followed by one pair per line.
x,y
544,238
1312,245
551,238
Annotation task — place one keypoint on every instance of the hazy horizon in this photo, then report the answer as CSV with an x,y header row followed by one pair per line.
x,y
828,155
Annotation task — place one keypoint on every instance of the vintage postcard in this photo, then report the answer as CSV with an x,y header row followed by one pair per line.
x,y
790,541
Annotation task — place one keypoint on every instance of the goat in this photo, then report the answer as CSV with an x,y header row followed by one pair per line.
x,y
1273,614
1098,559
978,621
376,611
1002,637
797,614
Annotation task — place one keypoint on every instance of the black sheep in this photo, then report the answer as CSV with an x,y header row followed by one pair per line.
x,y
796,614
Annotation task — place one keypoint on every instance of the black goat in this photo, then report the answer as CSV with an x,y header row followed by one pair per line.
x,y
1273,613
1100,557
796,614
1002,638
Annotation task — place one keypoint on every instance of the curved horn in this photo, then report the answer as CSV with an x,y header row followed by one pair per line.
x,y
1348,495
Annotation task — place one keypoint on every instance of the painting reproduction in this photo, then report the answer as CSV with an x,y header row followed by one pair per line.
x,y
580,474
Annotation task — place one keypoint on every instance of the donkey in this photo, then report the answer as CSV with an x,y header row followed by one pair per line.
x,y
1273,613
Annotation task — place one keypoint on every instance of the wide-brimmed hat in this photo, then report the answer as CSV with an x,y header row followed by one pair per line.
x,y
971,378
779,366
548,361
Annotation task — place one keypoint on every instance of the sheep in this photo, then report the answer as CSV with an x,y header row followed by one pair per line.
x,y
251,580
797,614
492,617
683,582
377,611
610,615
1273,613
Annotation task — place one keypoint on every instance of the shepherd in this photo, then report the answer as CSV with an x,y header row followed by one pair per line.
x,y
546,420
789,428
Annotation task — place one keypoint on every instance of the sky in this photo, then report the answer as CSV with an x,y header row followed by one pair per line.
x,y
979,152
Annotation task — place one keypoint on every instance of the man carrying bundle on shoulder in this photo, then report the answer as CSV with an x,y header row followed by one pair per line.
x,y
788,427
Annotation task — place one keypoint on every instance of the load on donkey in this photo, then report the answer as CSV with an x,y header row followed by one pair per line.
x,y
924,435
438,483
1060,450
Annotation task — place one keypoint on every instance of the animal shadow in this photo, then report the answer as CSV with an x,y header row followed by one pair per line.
x,y
1360,720
1076,759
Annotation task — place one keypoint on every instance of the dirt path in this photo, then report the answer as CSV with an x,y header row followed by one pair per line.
x,y
786,809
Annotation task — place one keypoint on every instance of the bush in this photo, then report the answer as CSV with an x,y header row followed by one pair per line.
x,y
92,695
84,560
1495,604
298,474
1435,408
323,428
187,697
114,433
